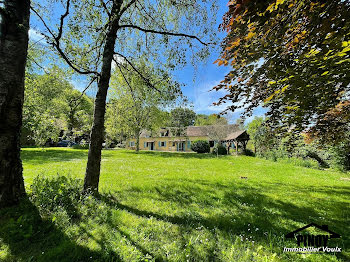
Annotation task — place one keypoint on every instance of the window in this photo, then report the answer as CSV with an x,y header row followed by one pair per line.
x,y
174,144
162,144
132,143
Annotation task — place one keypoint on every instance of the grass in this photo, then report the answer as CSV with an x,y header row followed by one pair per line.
x,y
176,207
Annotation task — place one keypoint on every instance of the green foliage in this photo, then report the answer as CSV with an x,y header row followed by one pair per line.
x,y
84,31
78,111
79,146
55,193
248,152
182,116
213,119
341,156
52,105
298,71
219,149
134,105
200,146
262,136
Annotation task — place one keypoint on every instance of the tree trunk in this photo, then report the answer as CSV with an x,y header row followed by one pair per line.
x,y
14,25
255,148
92,175
70,122
137,141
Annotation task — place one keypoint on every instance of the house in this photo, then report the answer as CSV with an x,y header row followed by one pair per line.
x,y
180,139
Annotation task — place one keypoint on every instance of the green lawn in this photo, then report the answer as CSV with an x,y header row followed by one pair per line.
x,y
177,207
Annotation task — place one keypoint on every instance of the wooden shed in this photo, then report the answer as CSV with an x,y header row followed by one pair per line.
x,y
238,138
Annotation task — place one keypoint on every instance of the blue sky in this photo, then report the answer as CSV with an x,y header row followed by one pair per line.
x,y
197,83
208,75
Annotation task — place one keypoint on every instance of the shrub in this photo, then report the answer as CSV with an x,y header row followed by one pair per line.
x,y
341,156
248,152
219,149
56,193
200,146
86,146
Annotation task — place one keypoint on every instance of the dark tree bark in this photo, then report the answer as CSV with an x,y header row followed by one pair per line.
x,y
137,140
92,175
14,26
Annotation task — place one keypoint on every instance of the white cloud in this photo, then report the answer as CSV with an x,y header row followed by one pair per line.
x,y
203,98
36,36
119,59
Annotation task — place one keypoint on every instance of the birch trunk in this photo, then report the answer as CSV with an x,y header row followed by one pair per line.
x,y
92,175
14,26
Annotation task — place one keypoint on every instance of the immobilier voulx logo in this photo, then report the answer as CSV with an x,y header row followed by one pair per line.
x,y
312,243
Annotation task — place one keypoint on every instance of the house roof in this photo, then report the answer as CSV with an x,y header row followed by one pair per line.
x,y
145,133
229,131
237,134
224,130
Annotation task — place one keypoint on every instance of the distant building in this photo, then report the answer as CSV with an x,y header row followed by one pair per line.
x,y
175,139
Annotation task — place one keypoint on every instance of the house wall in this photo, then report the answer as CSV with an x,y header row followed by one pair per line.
x,y
168,143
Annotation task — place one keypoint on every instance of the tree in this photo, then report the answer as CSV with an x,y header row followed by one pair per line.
x,y
292,57
14,26
256,131
213,119
124,29
180,118
52,105
137,106
43,106
218,133
78,112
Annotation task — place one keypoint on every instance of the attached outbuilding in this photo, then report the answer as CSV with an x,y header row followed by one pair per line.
x,y
238,138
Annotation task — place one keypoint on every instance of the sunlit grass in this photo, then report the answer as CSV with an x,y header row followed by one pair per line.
x,y
179,207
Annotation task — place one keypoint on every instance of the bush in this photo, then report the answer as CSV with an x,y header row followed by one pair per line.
x,y
341,156
219,149
86,146
56,193
248,152
200,146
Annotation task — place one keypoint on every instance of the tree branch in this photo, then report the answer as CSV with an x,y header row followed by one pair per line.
x,y
105,7
35,62
127,7
147,81
163,32
127,82
56,42
83,92
62,21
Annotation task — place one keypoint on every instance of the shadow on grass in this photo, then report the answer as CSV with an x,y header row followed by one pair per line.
x,y
49,155
245,212
187,155
227,211
28,237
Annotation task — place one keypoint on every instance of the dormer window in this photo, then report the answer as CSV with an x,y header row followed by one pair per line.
x,y
164,133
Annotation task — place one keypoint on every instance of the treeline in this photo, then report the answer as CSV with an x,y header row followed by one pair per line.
x,y
53,109
298,148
